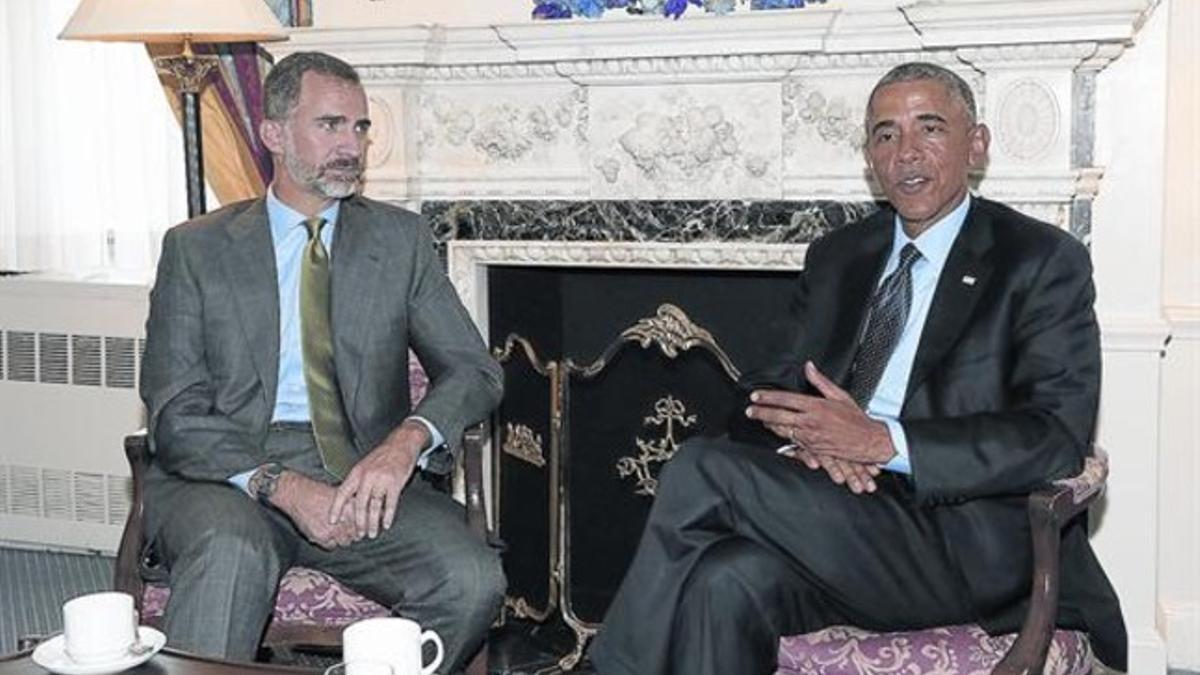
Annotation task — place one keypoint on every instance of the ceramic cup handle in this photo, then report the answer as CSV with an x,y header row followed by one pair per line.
x,y
430,636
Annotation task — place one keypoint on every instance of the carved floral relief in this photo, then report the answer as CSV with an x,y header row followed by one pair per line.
x,y
833,117
823,127
501,131
685,141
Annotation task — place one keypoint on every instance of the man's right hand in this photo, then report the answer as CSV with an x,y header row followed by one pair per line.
x,y
307,503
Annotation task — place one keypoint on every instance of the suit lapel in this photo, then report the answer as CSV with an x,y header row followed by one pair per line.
x,y
856,286
249,264
963,281
356,266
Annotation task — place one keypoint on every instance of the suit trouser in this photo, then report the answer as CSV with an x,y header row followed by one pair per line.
x,y
743,546
226,554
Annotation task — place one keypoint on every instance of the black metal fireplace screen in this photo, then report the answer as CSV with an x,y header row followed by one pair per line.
x,y
582,439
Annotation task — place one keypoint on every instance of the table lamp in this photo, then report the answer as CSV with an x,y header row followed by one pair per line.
x,y
184,23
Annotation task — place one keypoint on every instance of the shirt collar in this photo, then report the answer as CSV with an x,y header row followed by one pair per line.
x,y
935,242
283,218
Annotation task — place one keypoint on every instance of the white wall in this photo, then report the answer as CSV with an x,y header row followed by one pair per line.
x,y
1179,469
1145,252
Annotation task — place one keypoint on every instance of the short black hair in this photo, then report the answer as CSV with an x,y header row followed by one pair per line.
x,y
919,70
281,89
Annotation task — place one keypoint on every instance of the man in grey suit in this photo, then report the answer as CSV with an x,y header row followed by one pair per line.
x,y
276,378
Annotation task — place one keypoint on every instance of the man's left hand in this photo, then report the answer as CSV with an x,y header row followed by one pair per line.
x,y
373,486
857,476
830,424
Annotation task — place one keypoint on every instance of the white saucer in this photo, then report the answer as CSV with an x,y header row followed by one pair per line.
x,y
51,655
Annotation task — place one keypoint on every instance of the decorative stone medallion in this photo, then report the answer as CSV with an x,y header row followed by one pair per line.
x,y
383,125
1028,120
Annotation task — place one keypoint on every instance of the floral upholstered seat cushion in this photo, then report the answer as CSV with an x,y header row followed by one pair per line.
x,y
962,650
306,597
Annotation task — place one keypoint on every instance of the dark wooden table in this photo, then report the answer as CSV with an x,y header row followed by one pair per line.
x,y
166,662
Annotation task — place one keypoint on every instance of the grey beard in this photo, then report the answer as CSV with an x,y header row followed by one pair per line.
x,y
330,188
335,189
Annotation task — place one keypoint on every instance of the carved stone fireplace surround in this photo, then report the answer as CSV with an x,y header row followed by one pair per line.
x,y
724,142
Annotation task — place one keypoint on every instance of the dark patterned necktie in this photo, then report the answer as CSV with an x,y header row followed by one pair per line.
x,y
885,323
320,374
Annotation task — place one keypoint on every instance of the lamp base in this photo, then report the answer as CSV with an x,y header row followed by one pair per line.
x,y
191,72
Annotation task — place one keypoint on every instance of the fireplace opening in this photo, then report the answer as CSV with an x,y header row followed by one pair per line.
x,y
614,368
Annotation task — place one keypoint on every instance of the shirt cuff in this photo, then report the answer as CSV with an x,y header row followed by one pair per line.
x,y
436,440
899,463
242,480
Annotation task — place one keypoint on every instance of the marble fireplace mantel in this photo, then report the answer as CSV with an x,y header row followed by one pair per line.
x,y
761,106
469,261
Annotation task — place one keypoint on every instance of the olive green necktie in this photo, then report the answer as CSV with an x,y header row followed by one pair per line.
x,y
320,374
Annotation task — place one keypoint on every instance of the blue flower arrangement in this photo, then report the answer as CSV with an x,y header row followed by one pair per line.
x,y
564,9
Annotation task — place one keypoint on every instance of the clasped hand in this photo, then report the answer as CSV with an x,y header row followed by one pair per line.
x,y
365,502
828,432
372,488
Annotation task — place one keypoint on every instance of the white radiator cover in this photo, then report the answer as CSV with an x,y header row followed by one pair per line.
x,y
70,355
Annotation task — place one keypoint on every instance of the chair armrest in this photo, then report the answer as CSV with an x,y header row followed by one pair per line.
x,y
474,441
127,576
1050,509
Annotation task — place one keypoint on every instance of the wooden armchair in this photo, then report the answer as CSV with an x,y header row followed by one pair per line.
x,y
311,608
1037,648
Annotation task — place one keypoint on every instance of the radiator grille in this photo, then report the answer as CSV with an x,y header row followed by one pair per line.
x,y
56,494
25,491
85,360
120,498
81,360
89,498
64,495
52,358
119,363
22,356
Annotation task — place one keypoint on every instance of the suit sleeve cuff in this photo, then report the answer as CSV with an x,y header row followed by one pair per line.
x,y
436,440
900,463
242,480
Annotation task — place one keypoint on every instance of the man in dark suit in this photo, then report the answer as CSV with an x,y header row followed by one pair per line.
x,y
943,362
276,378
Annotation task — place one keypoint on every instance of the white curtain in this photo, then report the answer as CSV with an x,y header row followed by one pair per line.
x,y
91,160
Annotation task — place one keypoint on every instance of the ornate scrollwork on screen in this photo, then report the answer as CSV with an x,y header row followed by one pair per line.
x,y
670,328
674,332
669,413
521,442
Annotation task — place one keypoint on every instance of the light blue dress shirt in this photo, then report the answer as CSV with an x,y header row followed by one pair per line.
x,y
888,399
289,237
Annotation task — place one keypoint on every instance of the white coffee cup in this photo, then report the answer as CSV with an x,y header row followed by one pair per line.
x,y
99,627
393,640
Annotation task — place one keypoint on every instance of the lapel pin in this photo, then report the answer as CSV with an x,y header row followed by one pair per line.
x,y
969,280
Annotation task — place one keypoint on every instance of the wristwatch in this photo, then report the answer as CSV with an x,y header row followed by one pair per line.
x,y
263,482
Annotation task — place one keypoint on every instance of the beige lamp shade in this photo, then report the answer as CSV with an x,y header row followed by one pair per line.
x,y
173,21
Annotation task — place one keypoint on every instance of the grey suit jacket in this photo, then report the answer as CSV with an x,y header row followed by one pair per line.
x,y
210,371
